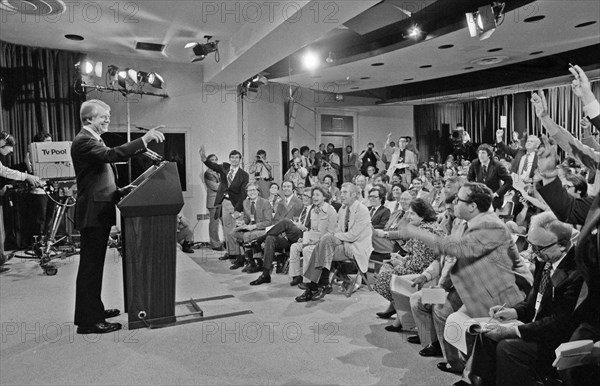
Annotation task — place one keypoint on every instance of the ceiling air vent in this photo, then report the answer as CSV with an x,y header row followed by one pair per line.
x,y
149,46
489,61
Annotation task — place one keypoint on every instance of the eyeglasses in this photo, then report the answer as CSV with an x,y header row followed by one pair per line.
x,y
457,199
306,196
374,197
538,249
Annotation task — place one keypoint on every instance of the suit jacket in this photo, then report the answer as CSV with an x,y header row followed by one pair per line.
x,y
380,217
516,162
495,173
292,210
555,322
357,240
264,213
488,269
212,181
236,191
97,191
579,211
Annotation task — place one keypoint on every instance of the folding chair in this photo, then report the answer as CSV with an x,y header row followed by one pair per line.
x,y
340,274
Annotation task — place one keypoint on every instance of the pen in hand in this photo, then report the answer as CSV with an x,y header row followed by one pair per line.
x,y
497,311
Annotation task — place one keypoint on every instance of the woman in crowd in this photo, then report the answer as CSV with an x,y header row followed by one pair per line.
x,y
436,197
417,255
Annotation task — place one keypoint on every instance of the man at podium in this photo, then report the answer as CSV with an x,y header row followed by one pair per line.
x,y
95,209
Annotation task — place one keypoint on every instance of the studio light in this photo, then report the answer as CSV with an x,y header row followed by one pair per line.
x,y
201,50
484,21
414,32
87,67
310,61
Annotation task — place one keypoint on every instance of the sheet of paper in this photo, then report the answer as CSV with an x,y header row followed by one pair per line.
x,y
434,296
402,285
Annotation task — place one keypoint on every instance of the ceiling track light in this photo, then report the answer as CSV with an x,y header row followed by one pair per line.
x,y
201,50
127,78
483,22
331,58
87,67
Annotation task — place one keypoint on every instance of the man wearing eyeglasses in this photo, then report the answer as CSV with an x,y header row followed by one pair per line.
x,y
513,355
488,269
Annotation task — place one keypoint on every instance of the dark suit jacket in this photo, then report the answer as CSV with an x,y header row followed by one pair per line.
x,y
555,321
264,212
495,173
97,191
580,211
380,217
517,154
289,211
236,191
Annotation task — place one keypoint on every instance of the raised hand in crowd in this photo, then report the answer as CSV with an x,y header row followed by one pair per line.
x,y
581,85
547,158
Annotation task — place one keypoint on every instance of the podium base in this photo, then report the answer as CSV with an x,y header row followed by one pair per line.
x,y
192,317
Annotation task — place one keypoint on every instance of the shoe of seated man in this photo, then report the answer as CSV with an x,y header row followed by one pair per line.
x,y
307,296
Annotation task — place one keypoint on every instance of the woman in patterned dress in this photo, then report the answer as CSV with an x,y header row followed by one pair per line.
x,y
418,255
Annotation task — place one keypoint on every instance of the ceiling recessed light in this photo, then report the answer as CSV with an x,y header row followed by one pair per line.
x,y
533,19
407,79
365,77
536,52
585,24
495,49
74,37
468,68
377,64
446,46
425,66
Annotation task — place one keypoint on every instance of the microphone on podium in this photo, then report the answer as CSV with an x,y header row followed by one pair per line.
x,y
154,156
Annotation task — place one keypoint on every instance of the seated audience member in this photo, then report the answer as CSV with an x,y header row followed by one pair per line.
x,y
393,204
320,221
332,191
523,354
256,217
7,143
290,205
584,211
491,173
417,186
185,236
295,154
378,212
361,184
352,239
383,246
437,197
274,197
429,332
349,164
296,173
371,172
488,268
418,256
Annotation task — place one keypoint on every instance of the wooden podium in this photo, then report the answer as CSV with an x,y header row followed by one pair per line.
x,y
149,238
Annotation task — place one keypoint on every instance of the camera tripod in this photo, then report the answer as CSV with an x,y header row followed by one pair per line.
x,y
44,246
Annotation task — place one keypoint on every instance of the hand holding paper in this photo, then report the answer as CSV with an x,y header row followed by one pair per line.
x,y
502,314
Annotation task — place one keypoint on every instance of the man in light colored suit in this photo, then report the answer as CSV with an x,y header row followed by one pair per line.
x,y
257,215
212,181
488,269
352,239
403,163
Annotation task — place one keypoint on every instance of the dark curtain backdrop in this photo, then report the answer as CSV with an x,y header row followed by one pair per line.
x,y
481,118
36,94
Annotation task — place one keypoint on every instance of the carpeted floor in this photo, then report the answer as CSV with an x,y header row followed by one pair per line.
x,y
337,340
